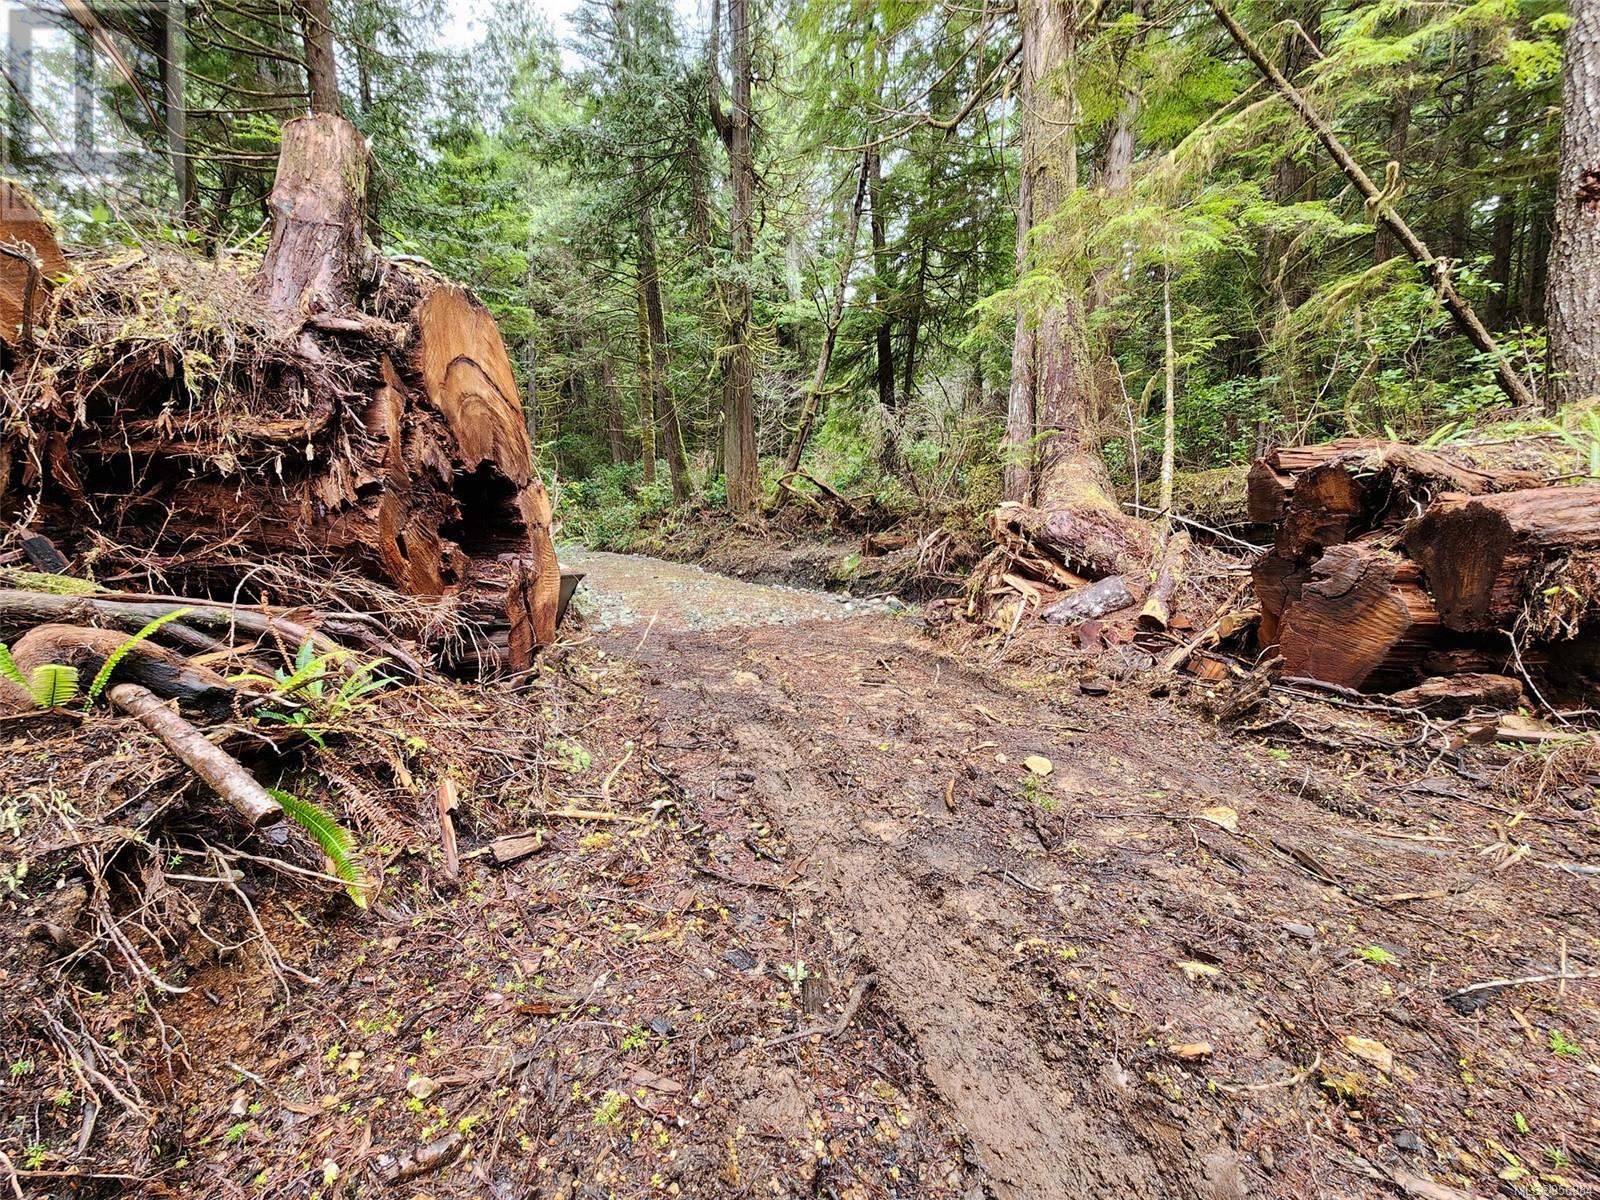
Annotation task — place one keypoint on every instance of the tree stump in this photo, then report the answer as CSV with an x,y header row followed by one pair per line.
x,y
318,205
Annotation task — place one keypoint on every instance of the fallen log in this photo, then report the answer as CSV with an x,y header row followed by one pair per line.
x,y
1157,611
1490,559
1453,695
329,408
1271,482
170,676
21,610
1090,603
1361,614
1341,490
219,769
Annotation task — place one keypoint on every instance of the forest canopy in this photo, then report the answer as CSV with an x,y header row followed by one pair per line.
x,y
939,252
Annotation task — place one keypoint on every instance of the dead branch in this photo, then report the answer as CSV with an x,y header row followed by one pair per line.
x,y
215,766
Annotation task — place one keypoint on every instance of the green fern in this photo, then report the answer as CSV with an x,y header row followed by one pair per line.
x,y
10,670
53,685
309,672
103,676
334,839
50,684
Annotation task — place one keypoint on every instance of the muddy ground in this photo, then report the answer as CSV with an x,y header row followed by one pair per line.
x,y
874,917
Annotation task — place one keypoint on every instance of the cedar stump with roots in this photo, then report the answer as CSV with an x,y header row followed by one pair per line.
x,y
187,416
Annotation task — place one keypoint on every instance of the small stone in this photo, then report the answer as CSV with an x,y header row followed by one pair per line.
x,y
1407,1141
421,1086
1304,932
739,959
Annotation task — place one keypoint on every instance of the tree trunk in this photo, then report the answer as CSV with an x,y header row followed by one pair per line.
x,y
666,413
741,467
322,73
883,338
318,205
1071,471
1502,241
1169,426
614,430
1572,295
1017,451
647,391
811,405
1459,232
908,369
1383,243
1292,176
1536,274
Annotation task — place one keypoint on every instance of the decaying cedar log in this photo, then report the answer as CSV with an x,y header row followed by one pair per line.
x,y
168,675
1330,504
215,766
1088,540
1342,489
1489,558
1271,481
1277,584
318,205
1361,613
21,610
1450,696
23,283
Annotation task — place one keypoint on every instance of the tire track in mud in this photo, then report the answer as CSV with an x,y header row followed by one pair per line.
x,y
1033,1142
935,916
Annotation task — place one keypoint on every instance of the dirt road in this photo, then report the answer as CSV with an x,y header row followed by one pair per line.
x,y
815,906
1133,955
899,786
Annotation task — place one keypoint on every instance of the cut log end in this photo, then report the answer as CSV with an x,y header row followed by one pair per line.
x,y
23,283
1492,558
1362,613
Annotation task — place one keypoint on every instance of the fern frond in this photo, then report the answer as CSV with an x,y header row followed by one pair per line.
x,y
308,672
333,838
9,668
53,684
103,676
